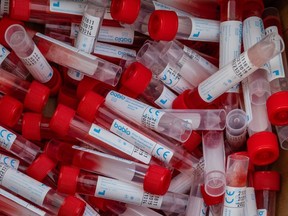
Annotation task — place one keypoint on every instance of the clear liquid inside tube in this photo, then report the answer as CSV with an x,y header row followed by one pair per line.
x,y
19,41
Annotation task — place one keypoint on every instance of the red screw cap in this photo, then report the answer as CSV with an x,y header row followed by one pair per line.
x,y
67,181
267,180
40,167
72,206
125,11
20,10
263,148
157,180
60,121
36,97
277,108
10,110
163,25
135,80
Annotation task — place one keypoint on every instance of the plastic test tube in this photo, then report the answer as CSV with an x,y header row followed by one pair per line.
x,y
266,184
168,72
10,62
167,25
256,88
208,119
236,128
47,11
71,57
153,178
191,70
45,197
121,209
113,189
234,72
196,205
236,177
276,103
88,32
93,109
33,95
230,44
148,116
214,160
12,205
137,81
18,39
66,122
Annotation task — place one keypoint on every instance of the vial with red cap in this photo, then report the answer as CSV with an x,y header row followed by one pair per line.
x,y
118,208
215,204
10,62
231,74
18,39
88,32
72,180
34,95
39,193
92,107
167,25
13,205
266,184
65,122
167,71
276,103
153,178
236,177
230,44
137,82
46,11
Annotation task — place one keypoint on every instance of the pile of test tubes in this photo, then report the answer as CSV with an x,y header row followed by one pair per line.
x,y
141,107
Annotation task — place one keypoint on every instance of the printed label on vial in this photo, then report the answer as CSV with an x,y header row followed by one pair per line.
x,y
38,66
234,201
101,154
250,205
202,61
7,138
116,35
226,77
262,212
74,30
87,33
166,99
23,185
137,139
113,51
205,30
4,7
22,203
69,7
275,64
172,78
9,161
161,6
119,143
253,31
230,39
138,111
124,192
3,53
